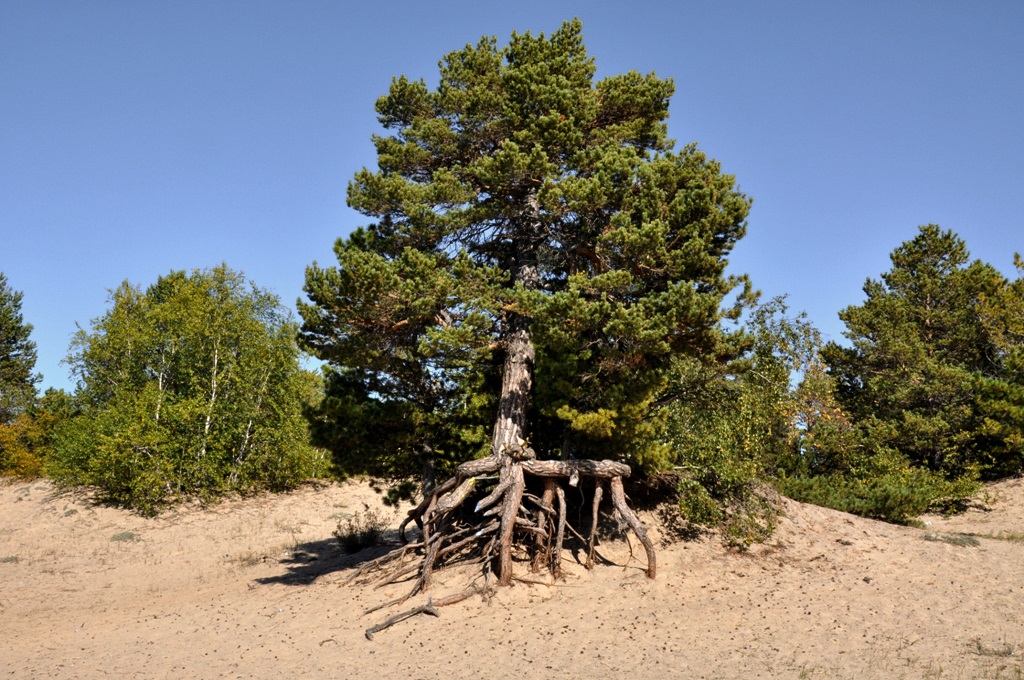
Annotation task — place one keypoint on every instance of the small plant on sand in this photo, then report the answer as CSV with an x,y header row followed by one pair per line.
x,y
981,649
125,537
10,559
962,540
250,559
364,529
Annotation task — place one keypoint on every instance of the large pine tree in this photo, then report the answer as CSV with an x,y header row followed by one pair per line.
x,y
536,250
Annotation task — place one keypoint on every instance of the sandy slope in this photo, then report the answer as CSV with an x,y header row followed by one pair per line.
x,y
252,588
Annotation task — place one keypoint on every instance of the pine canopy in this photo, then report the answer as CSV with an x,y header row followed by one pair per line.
x,y
523,211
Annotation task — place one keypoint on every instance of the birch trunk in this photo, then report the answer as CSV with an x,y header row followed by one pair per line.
x,y
213,399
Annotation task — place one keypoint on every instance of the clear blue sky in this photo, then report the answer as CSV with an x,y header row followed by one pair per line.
x,y
139,137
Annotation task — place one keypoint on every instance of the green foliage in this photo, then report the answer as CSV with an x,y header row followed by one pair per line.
x,y
933,370
732,430
521,189
192,387
17,357
730,425
896,496
25,442
999,399
20,448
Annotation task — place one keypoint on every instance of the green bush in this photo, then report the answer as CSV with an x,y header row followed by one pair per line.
x,y
20,453
732,424
720,443
893,497
190,388
26,440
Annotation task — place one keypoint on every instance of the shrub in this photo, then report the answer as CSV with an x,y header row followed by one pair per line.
x,y
19,454
25,441
364,529
896,496
733,423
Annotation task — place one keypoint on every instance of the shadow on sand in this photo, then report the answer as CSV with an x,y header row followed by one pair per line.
x,y
309,561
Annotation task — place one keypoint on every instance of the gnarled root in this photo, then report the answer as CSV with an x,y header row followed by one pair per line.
x,y
451,531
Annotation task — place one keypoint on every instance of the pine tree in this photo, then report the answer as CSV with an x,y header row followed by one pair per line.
x,y
538,249
533,224
924,368
17,356
1000,398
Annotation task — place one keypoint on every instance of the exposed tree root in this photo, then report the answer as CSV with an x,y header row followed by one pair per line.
x,y
505,518
429,608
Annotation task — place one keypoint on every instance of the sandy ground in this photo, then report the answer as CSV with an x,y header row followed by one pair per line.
x,y
252,588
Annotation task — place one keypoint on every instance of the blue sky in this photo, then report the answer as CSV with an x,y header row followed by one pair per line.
x,y
141,137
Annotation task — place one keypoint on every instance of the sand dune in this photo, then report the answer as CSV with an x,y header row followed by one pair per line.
x,y
252,588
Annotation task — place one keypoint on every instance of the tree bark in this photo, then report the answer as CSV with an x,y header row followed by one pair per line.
x,y
619,501
605,469
517,376
213,398
516,383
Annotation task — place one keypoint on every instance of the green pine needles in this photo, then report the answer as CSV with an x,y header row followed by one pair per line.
x,y
934,367
17,357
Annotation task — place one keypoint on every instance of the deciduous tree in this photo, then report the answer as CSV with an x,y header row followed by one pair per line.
x,y
190,387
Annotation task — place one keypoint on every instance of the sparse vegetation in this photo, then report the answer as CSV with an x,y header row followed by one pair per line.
x,y
1012,536
957,539
363,529
249,559
125,537
1003,649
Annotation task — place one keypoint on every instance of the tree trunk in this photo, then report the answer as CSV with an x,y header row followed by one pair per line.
x,y
517,376
429,470
213,398
516,379
444,533
516,383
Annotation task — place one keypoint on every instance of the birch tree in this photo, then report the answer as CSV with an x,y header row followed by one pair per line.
x,y
190,387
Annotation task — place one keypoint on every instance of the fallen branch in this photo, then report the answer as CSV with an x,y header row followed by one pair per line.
x,y
429,608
